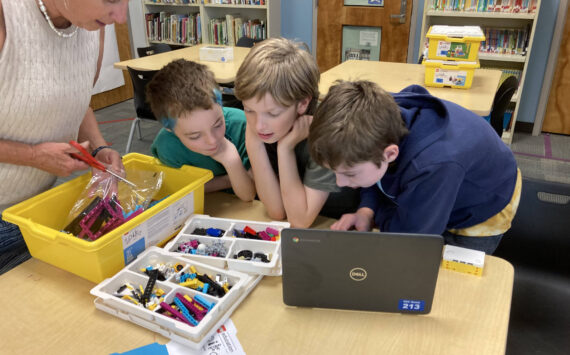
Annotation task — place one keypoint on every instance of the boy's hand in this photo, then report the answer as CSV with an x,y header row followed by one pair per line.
x,y
361,220
298,133
226,152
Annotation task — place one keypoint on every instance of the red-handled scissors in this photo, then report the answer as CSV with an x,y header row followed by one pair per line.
x,y
91,161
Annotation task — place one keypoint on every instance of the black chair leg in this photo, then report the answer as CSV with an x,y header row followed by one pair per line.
x,y
136,122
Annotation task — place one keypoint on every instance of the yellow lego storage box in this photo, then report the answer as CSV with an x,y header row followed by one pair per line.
x,y
42,217
441,73
454,42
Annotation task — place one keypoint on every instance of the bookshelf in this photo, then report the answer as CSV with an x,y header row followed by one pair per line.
x,y
190,22
499,20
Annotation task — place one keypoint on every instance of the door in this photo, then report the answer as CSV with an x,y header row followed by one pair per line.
x,y
557,118
367,30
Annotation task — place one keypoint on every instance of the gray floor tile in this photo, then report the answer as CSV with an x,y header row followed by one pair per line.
x,y
560,146
528,144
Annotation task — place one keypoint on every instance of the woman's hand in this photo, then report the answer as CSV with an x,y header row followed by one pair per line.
x,y
55,159
112,159
103,181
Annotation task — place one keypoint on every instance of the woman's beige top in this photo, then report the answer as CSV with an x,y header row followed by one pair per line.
x,y
45,89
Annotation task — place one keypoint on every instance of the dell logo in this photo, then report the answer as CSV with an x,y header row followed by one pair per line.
x,y
357,274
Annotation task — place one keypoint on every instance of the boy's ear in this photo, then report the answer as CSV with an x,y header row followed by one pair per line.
x,y
303,105
391,153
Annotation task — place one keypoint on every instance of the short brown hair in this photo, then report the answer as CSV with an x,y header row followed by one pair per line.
x,y
355,123
181,86
281,67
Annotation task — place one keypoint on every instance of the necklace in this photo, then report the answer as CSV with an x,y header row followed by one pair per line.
x,y
59,33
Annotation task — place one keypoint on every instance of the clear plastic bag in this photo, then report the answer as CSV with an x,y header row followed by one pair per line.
x,y
106,202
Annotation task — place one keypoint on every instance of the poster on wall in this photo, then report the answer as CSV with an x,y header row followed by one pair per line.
x,y
361,43
378,3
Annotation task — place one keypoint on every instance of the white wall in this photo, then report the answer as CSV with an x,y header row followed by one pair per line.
x,y
137,30
108,78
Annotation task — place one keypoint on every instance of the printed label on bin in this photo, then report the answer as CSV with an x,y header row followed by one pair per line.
x,y
411,305
157,228
133,243
450,77
442,48
458,50
183,208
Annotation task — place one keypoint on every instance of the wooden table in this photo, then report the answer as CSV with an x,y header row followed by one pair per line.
x,y
393,77
224,72
50,311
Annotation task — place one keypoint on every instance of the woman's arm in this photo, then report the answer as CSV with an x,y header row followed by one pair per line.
x,y
50,156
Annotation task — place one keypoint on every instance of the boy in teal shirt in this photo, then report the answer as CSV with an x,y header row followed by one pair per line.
x,y
198,131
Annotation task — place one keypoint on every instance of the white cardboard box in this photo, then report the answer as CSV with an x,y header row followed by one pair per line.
x,y
217,54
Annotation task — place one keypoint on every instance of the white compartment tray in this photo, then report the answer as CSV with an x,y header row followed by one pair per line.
x,y
192,336
231,244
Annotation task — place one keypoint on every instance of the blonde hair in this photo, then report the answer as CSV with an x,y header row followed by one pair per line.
x,y
281,67
355,123
181,86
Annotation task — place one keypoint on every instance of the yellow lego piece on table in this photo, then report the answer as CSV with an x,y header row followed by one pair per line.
x,y
464,260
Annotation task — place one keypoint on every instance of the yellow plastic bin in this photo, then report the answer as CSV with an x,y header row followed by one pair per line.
x,y
440,73
454,42
41,218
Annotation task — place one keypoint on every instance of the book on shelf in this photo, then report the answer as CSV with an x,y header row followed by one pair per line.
x,y
235,2
230,29
178,2
508,6
230,26
174,28
511,41
238,24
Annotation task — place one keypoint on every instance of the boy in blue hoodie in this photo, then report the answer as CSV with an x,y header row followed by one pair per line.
x,y
426,165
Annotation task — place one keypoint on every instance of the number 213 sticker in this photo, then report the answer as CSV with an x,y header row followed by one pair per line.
x,y
411,305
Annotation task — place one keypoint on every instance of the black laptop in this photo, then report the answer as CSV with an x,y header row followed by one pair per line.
x,y
370,271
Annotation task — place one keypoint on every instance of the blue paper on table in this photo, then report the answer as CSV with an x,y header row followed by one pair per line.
x,y
150,349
